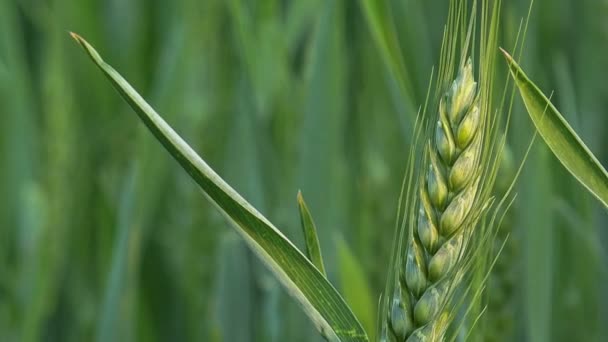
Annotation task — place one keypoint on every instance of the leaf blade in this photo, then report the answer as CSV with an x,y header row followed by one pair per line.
x,y
563,141
313,248
319,299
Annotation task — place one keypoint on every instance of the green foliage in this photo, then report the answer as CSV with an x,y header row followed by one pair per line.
x,y
560,137
102,237
320,300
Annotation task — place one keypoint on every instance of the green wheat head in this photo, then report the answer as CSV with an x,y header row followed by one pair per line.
x,y
447,195
449,186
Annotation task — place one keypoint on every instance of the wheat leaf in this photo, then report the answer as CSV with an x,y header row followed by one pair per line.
x,y
313,248
319,299
563,141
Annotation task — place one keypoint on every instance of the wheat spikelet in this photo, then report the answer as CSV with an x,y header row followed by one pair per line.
x,y
438,236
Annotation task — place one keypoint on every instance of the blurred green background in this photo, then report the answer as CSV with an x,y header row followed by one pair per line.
x,y
103,237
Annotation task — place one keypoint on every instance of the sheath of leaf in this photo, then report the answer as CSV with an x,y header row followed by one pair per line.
x,y
447,192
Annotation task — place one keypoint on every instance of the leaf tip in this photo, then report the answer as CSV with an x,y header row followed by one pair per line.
x,y
87,48
75,36
507,55
300,197
513,67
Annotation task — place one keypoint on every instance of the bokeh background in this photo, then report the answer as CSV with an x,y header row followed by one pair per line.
x,y
103,237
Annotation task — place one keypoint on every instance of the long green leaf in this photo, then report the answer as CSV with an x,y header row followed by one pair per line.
x,y
559,136
313,249
320,300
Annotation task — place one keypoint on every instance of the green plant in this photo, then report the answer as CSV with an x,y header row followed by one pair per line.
x,y
104,237
453,198
326,308
447,215
445,229
559,135
444,223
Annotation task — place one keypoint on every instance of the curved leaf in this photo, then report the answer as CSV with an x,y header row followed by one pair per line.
x,y
560,137
326,308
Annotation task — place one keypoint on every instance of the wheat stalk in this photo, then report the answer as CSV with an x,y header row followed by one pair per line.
x,y
501,288
437,240
502,281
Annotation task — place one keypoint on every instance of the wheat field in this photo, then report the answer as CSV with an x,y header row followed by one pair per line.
x,y
104,238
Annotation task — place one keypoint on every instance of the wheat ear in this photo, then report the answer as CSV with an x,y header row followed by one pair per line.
x,y
448,185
